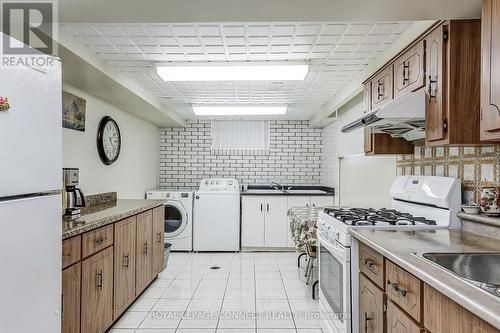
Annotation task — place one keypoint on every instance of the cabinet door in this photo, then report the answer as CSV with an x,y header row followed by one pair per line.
x,y
409,70
70,313
435,61
371,307
252,221
490,81
382,88
322,200
298,201
399,322
144,251
158,239
441,314
97,292
367,97
125,235
276,221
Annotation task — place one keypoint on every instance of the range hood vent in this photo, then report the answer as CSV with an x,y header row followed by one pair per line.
x,y
403,117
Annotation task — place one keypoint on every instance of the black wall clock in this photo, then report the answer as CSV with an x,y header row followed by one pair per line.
x,y
109,140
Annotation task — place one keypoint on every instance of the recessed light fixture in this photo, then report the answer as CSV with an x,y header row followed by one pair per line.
x,y
249,71
238,110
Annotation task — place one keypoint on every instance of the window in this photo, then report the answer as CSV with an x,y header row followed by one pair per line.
x,y
240,135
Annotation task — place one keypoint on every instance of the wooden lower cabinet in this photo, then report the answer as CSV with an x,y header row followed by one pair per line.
x,y
144,251
158,239
399,322
371,307
70,309
442,315
124,274
97,292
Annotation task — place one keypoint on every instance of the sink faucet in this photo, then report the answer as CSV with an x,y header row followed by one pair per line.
x,y
278,186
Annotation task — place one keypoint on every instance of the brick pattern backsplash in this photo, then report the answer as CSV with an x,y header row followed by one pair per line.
x,y
294,156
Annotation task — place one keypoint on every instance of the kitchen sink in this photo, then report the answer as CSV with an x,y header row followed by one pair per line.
x,y
305,191
480,269
263,191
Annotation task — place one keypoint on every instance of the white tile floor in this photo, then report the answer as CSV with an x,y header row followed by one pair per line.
x,y
250,293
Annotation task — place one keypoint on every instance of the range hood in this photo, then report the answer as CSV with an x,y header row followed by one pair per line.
x,y
403,117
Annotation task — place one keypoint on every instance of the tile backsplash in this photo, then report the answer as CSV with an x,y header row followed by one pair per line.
x,y
477,167
294,156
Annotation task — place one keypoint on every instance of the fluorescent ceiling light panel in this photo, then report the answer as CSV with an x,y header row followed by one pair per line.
x,y
239,110
235,72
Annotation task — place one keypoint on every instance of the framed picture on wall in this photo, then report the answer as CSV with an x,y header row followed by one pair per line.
x,y
73,112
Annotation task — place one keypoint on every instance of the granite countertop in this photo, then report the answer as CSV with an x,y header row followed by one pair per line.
x,y
307,190
96,216
398,247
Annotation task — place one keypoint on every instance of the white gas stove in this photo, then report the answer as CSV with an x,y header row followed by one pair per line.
x,y
418,202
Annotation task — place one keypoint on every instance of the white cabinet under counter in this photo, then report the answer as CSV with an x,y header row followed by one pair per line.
x,y
264,218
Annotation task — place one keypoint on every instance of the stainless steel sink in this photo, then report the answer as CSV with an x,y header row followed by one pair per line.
x,y
480,269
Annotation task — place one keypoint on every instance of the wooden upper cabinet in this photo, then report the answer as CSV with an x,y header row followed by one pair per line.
x,y
490,81
382,88
70,309
453,67
124,275
158,239
384,144
371,307
97,292
367,97
144,251
436,63
409,70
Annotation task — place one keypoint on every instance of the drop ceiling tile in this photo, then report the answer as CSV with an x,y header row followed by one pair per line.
x,y
84,30
312,29
96,40
172,49
166,40
352,39
283,30
346,47
375,39
188,40
106,49
301,48
237,49
235,41
304,39
328,39
258,30
211,40
109,30
359,29
208,30
258,48
323,48
143,41
234,30
183,30
192,49
215,49
150,49
134,30
158,57
281,40
280,48
237,56
334,29
120,41
128,49
385,28
159,30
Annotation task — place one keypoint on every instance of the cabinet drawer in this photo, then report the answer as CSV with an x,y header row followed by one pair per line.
x,y
71,251
371,263
96,240
399,322
404,289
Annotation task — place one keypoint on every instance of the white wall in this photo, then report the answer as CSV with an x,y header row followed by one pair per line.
x,y
355,177
136,170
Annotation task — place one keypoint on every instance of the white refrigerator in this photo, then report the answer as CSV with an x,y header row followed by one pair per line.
x,y
30,202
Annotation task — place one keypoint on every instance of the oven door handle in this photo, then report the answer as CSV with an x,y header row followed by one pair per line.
x,y
337,250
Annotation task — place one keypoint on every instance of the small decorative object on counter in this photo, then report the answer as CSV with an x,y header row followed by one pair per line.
x,y
471,208
490,201
4,104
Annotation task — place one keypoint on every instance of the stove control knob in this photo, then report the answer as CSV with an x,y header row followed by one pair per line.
x,y
206,182
230,182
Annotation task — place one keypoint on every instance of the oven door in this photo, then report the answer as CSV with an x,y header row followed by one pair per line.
x,y
335,284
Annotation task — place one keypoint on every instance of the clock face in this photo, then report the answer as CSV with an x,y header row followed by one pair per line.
x,y
108,140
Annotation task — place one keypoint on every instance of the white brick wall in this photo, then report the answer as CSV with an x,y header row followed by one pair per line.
x,y
294,156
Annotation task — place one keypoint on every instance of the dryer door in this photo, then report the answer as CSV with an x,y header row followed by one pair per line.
x,y
175,219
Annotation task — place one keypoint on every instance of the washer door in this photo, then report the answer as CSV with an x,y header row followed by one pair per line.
x,y
175,219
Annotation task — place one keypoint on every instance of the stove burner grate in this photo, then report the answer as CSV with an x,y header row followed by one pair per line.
x,y
370,216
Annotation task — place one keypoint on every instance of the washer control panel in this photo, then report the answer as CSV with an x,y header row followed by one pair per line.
x,y
219,184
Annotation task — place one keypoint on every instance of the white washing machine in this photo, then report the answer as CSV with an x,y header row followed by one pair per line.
x,y
217,215
178,217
